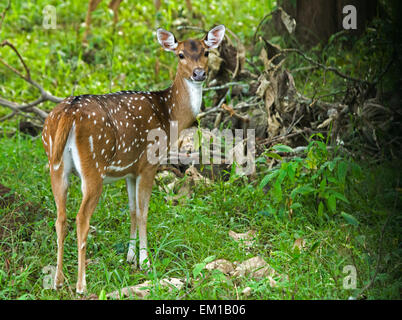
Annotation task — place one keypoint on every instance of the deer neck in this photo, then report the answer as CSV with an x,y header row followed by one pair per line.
x,y
186,95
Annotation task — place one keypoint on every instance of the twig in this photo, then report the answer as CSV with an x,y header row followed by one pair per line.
x,y
332,69
308,68
259,25
281,137
226,85
233,113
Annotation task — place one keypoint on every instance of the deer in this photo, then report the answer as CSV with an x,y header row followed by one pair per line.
x,y
103,139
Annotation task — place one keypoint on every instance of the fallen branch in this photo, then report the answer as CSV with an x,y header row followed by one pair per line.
x,y
226,85
29,107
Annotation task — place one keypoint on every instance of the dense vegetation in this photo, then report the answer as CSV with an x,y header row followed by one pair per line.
x,y
313,214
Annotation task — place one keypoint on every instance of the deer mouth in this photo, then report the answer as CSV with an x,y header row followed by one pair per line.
x,y
195,80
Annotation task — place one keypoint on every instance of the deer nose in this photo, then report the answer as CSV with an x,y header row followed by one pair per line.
x,y
199,74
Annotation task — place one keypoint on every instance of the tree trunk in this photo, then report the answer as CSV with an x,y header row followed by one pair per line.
x,y
317,20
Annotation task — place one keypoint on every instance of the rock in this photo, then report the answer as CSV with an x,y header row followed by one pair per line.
x,y
221,264
246,239
142,290
255,267
139,291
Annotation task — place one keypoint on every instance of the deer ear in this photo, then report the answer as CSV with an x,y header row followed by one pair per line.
x,y
215,36
166,39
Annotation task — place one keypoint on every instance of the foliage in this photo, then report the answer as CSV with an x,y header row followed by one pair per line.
x,y
321,178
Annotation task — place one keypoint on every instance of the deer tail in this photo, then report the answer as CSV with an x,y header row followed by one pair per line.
x,y
62,133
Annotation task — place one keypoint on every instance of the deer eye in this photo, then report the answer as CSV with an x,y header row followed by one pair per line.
x,y
206,53
181,56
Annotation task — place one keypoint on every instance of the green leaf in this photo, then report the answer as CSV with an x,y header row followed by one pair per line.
x,y
291,173
331,165
350,219
314,246
209,259
273,155
296,205
282,174
102,295
332,203
302,190
277,192
198,268
340,196
342,170
320,209
267,179
323,185
282,148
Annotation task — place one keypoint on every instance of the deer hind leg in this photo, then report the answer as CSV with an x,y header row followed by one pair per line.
x,y
59,179
91,7
91,194
143,193
131,190
91,187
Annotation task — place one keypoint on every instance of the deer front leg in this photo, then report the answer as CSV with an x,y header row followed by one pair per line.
x,y
131,190
143,193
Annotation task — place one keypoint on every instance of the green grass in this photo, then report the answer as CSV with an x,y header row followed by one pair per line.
x,y
182,236
113,61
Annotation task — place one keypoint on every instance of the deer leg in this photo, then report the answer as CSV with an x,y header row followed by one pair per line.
x,y
143,193
131,255
91,195
114,5
91,7
59,181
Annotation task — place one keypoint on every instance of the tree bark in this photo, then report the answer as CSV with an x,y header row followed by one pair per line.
x,y
317,20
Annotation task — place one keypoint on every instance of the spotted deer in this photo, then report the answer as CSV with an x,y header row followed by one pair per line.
x,y
103,138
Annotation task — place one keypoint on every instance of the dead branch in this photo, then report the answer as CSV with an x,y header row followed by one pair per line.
x,y
29,107
226,85
233,113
